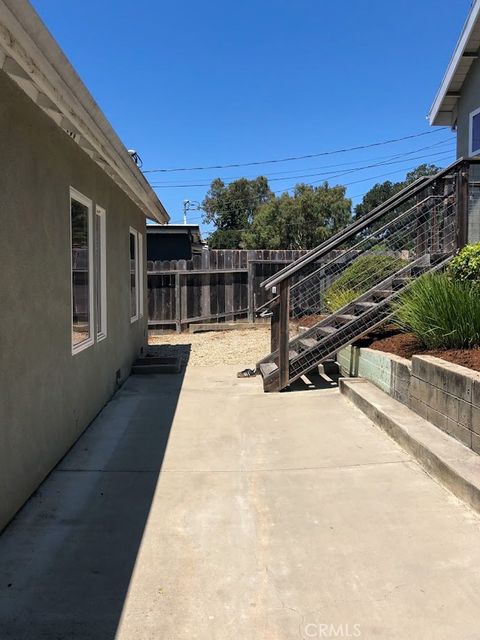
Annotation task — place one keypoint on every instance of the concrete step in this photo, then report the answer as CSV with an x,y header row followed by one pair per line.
x,y
449,461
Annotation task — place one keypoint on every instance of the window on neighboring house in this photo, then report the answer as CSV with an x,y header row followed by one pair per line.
x,y
133,275
82,269
100,273
475,133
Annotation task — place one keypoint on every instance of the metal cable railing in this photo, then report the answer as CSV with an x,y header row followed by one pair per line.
x,y
344,287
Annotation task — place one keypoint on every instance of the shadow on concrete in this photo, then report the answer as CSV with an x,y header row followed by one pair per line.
x,y
66,560
315,380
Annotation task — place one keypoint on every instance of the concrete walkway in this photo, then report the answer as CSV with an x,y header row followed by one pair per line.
x,y
209,510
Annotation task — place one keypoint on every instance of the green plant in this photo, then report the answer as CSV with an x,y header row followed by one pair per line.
x,y
339,298
442,313
466,265
363,273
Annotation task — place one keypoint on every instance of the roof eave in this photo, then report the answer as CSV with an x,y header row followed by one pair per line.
x,y
32,58
442,111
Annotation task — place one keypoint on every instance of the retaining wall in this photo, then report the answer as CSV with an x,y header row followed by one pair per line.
x,y
445,394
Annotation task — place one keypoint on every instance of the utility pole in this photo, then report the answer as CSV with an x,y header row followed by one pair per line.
x,y
190,205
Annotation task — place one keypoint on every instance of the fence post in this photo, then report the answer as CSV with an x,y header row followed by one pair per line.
x,y
283,350
250,297
462,206
178,304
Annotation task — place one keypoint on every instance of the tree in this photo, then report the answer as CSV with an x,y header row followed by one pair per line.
x,y
299,221
378,194
231,208
382,191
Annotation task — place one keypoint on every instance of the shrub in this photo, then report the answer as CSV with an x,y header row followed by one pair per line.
x,y
362,274
466,265
339,298
441,312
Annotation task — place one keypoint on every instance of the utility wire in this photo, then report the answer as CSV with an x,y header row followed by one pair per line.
x,y
326,166
285,190
326,174
304,157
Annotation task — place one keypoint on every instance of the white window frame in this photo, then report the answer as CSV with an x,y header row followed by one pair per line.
x,y
134,233
140,274
102,279
471,150
80,346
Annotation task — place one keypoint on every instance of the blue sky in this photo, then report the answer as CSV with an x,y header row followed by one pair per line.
x,y
192,83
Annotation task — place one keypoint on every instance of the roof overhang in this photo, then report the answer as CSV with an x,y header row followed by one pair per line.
x,y
31,57
443,110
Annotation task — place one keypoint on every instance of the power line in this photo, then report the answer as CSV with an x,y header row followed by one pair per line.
x,y
347,184
328,174
171,183
304,157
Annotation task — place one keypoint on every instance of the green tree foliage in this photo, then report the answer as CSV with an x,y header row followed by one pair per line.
x,y
382,191
378,194
231,209
299,221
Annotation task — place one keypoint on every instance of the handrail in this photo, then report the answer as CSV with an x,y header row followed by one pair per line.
x,y
351,230
325,266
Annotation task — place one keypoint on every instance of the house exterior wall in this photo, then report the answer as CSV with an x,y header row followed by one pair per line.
x,y
468,102
47,395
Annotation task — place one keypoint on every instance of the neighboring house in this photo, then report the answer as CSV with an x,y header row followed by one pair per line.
x,y
72,244
457,105
173,241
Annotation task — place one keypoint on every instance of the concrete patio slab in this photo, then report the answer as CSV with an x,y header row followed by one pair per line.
x,y
200,507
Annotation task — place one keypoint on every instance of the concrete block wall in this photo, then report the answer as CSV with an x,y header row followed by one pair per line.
x,y
448,396
445,394
388,372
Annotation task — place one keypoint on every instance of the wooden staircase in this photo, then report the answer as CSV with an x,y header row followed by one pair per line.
x,y
424,225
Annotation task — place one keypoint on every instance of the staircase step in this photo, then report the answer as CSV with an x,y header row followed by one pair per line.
x,y
292,354
345,318
365,306
267,368
327,331
399,283
307,343
381,294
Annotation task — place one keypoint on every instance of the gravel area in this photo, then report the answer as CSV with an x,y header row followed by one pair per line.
x,y
244,348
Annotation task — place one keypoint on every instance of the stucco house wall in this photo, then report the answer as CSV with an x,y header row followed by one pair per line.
x,y
47,395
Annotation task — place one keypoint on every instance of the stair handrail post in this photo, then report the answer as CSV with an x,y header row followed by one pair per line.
x,y
283,335
462,205
275,327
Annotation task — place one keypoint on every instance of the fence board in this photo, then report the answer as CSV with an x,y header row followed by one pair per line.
x,y
215,285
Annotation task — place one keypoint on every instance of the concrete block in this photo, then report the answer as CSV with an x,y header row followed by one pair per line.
x,y
453,428
475,378
421,390
476,442
445,403
475,420
465,414
418,406
444,375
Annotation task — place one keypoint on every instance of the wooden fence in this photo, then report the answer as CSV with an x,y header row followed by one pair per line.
x,y
219,285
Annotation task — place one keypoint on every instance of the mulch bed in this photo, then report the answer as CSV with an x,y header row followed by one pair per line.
x,y
407,345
